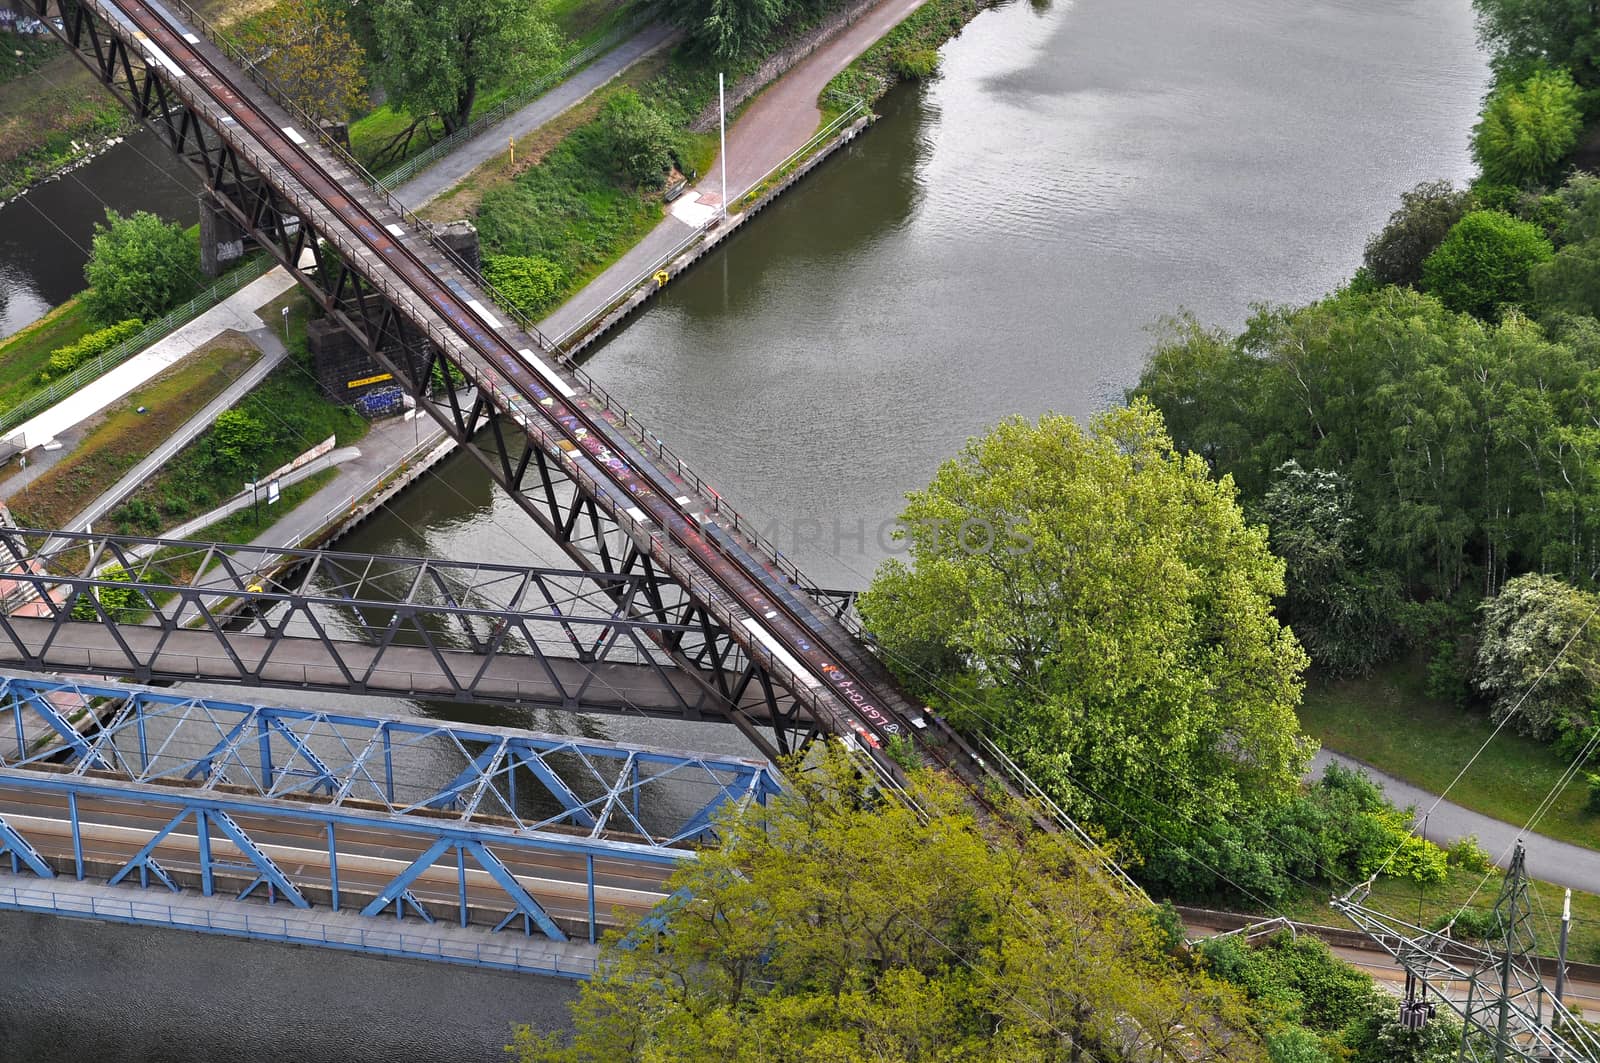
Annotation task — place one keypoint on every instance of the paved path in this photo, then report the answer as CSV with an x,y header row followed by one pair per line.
x,y
459,164
237,312
1553,861
773,127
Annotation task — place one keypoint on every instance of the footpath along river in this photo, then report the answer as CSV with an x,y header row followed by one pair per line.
x,y
998,244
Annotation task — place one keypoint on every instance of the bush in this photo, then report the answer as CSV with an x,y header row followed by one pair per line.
x,y
238,439
139,267
639,138
119,603
1484,263
1425,217
68,358
1471,924
914,64
1527,128
1468,855
530,283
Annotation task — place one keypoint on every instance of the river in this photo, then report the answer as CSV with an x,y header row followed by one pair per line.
x,y
998,243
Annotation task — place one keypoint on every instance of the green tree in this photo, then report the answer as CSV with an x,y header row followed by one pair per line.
x,y
1426,215
306,48
1528,128
121,604
1484,264
1097,603
1346,615
1523,630
1528,34
1570,281
435,58
730,28
827,928
639,138
139,267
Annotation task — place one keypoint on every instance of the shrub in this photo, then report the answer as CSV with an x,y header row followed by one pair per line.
x,y
1483,265
1527,128
68,358
914,64
530,283
1468,855
138,267
639,138
238,438
1425,217
119,603
1471,924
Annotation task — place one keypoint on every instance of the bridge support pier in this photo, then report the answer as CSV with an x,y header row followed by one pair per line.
x,y
345,371
462,238
222,240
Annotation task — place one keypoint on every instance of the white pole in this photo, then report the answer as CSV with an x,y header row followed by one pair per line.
x,y
722,109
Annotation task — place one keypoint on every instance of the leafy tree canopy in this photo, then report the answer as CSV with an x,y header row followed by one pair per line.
x,y
139,267
1528,128
639,137
1525,35
1097,603
1426,215
1484,264
729,28
1524,629
827,929
435,58
1469,450
305,47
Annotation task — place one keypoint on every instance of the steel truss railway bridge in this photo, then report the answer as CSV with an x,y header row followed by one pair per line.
x,y
484,846
764,644
673,606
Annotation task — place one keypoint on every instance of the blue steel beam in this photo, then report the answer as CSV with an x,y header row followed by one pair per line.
x,y
22,851
270,873
153,736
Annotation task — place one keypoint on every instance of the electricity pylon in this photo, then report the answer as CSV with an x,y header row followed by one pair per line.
x,y
1496,989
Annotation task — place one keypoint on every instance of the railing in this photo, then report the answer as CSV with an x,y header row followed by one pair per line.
x,y
505,108
246,924
108,360
783,169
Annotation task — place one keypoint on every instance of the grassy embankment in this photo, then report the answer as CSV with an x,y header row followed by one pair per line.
x,y
293,415
24,355
124,437
1389,722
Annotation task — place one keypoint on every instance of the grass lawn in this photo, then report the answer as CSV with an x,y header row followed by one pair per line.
x,y
1388,721
24,354
1400,899
124,437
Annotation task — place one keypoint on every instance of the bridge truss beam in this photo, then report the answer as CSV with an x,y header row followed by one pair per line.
x,y
482,633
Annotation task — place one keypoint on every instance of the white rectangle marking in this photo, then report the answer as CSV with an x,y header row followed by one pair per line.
x,y
483,312
395,230
191,38
550,377
636,513
294,134
783,656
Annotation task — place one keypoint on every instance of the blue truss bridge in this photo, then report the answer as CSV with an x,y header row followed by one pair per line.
x,y
396,836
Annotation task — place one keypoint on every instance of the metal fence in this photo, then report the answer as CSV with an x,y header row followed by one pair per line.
x,y
102,363
242,923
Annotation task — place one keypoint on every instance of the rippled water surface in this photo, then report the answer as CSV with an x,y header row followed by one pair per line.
x,y
997,244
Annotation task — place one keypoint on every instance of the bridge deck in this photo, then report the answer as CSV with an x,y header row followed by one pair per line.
x,y
472,946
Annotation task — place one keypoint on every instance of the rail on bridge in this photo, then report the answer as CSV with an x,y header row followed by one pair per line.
x,y
306,825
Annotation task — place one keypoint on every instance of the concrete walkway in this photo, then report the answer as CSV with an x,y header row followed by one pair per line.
x,y
236,313
1552,861
774,126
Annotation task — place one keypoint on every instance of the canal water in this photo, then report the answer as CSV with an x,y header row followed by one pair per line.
x,y
45,235
999,243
